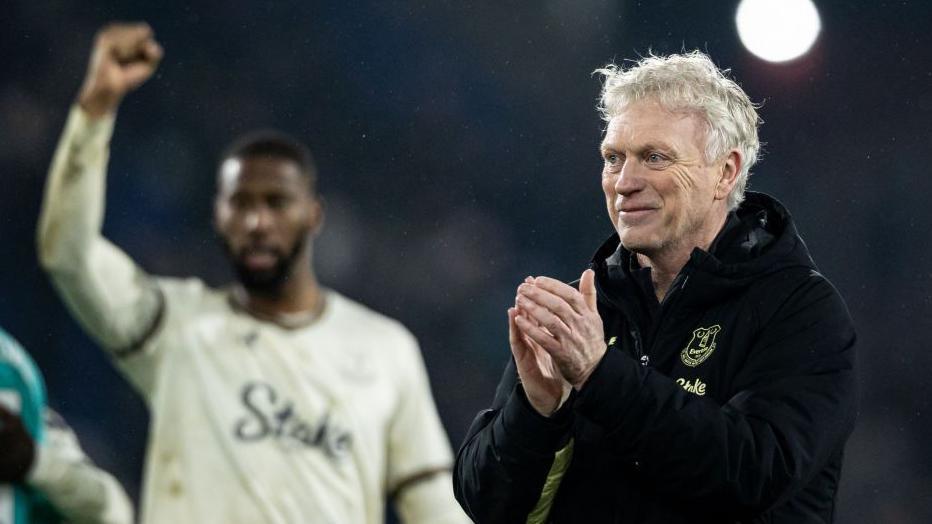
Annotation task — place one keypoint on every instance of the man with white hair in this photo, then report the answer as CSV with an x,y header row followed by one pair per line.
x,y
703,371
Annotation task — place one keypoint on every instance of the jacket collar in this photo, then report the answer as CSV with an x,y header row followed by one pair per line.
x,y
757,239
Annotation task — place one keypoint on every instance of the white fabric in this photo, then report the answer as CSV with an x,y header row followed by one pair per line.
x,y
82,493
251,422
6,504
110,296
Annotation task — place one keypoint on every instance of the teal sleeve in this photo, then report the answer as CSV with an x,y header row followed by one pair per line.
x,y
23,391
20,380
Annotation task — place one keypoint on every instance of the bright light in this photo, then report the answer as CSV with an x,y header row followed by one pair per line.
x,y
778,30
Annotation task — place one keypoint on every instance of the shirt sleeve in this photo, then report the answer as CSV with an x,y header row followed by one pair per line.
x,y
111,297
430,501
419,458
182,299
78,489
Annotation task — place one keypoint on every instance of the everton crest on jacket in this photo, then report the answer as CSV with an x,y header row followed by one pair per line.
x,y
728,402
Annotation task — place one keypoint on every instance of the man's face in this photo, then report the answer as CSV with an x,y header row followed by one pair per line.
x,y
660,191
265,212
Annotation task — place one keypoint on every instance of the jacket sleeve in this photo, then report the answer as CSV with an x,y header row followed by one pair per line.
x,y
503,463
794,407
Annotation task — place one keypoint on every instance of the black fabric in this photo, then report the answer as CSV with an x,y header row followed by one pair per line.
x,y
753,432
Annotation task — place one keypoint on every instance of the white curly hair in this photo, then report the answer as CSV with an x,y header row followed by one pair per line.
x,y
690,82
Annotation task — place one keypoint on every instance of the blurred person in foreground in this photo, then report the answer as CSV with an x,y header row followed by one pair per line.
x,y
274,399
704,370
45,477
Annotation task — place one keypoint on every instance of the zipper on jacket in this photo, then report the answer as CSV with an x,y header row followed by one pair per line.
x,y
633,330
639,346
667,304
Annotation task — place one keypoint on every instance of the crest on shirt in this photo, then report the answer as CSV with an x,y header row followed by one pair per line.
x,y
250,338
356,366
701,346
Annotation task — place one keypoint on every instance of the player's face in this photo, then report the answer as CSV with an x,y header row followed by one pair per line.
x,y
659,189
265,212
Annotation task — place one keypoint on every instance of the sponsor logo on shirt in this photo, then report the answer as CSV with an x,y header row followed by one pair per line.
x,y
697,386
270,417
701,346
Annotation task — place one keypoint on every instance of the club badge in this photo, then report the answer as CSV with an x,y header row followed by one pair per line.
x,y
700,346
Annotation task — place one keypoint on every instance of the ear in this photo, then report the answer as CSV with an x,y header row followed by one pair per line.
x,y
316,215
730,167
216,217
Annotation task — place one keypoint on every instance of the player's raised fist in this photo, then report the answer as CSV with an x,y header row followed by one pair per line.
x,y
124,56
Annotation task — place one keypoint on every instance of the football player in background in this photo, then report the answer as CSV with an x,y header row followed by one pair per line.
x,y
273,399
44,475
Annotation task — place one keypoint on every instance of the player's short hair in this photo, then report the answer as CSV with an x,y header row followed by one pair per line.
x,y
691,83
271,143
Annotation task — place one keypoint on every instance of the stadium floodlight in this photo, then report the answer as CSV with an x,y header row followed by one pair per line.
x,y
777,30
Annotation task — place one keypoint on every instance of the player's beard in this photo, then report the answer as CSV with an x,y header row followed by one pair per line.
x,y
269,282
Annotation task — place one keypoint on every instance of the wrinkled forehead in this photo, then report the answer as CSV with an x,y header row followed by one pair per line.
x,y
260,174
649,122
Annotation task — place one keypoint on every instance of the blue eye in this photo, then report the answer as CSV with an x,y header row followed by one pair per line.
x,y
657,160
613,158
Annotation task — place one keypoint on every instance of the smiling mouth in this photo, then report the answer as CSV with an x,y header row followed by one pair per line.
x,y
633,216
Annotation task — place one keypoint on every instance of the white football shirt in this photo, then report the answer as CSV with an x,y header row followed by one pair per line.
x,y
251,422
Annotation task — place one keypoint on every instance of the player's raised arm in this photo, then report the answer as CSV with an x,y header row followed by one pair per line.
x,y
114,300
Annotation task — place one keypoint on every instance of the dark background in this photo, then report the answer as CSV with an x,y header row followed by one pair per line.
x,y
457,149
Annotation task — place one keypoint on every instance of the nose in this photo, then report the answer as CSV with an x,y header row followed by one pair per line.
x,y
258,219
628,180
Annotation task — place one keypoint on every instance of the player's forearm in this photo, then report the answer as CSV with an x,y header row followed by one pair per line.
x,y
110,296
79,490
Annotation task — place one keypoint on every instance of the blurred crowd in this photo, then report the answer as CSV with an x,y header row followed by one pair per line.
x,y
457,147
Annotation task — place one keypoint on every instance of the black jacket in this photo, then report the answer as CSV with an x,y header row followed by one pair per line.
x,y
729,402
